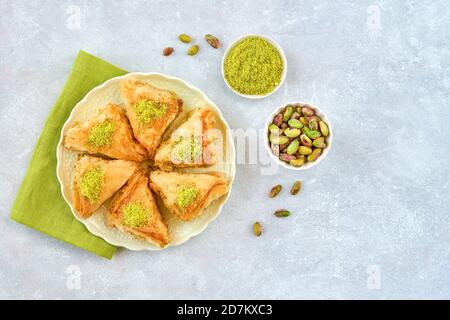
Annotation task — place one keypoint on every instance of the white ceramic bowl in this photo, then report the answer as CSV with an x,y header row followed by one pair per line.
x,y
283,58
307,165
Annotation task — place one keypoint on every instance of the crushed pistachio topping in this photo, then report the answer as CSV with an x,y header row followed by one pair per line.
x,y
147,110
134,215
187,148
253,66
91,183
186,196
101,134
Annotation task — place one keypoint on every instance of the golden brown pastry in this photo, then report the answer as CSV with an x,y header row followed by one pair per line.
x,y
96,179
192,144
186,195
134,210
150,111
108,132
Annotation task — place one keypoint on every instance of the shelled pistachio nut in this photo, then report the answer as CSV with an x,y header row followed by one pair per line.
x,y
324,129
297,162
305,150
305,141
292,132
294,123
288,113
278,139
319,143
293,147
314,155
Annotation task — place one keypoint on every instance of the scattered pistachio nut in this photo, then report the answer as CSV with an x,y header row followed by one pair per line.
x,y
282,213
193,50
167,51
257,229
275,191
184,38
212,40
296,187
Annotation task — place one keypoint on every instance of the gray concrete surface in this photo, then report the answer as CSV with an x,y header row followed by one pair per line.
x,y
372,220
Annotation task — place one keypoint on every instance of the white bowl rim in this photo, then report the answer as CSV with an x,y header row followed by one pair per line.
x,y
91,227
283,58
307,165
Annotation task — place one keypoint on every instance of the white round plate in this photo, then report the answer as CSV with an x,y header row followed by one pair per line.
x,y
192,97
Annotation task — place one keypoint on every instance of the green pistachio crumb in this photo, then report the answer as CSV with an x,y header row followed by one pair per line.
x,y
186,196
91,183
148,110
101,134
134,215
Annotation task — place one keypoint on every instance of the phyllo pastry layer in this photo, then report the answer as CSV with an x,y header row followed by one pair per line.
x,y
108,132
150,111
134,210
192,144
96,180
186,195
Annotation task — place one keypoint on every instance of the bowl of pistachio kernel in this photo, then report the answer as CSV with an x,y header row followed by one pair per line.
x,y
254,66
298,136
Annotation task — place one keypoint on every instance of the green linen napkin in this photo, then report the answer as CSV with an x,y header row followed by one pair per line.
x,y
39,203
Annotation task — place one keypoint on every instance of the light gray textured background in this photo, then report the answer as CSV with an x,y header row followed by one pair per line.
x,y
379,202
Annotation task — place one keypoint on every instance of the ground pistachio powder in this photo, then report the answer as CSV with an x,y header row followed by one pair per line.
x,y
91,183
101,134
187,194
253,66
134,215
147,110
